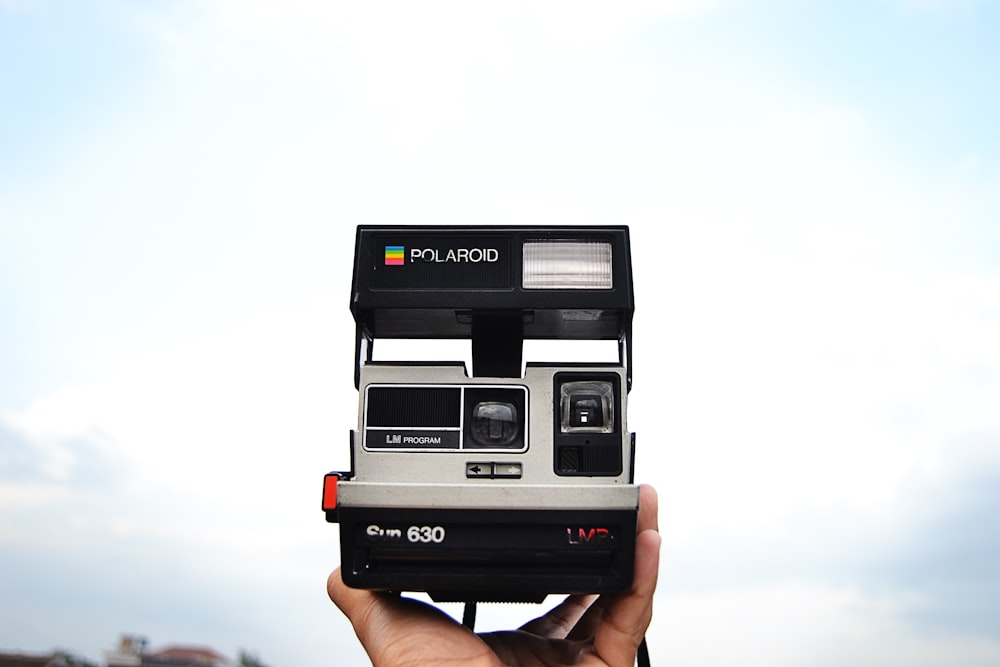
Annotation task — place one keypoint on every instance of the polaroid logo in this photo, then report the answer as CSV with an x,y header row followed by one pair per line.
x,y
454,255
394,255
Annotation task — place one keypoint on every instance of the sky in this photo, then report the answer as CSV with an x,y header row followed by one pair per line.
x,y
813,195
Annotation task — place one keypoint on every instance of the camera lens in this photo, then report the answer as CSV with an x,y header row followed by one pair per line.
x,y
494,424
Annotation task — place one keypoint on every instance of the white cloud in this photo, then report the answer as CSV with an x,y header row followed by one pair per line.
x,y
802,624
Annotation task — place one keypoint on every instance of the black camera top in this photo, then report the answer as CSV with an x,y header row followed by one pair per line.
x,y
495,285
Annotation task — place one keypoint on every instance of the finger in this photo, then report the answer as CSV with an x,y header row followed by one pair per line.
x,y
626,617
647,520
358,605
372,609
379,618
522,648
559,620
585,628
648,509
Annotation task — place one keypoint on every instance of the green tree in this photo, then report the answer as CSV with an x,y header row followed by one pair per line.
x,y
248,659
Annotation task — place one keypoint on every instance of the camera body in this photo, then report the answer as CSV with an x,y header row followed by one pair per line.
x,y
510,482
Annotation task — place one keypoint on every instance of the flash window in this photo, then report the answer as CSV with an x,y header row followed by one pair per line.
x,y
564,264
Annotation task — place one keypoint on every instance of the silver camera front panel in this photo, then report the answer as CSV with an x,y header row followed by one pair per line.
x,y
471,476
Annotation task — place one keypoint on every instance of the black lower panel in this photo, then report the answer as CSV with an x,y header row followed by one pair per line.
x,y
487,555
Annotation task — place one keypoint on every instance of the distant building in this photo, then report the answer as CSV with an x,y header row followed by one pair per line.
x,y
133,651
54,659
186,656
129,651
24,660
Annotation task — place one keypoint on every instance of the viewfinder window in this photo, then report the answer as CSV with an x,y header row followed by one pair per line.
x,y
587,407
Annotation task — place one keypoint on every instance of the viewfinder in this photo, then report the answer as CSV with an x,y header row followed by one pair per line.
x,y
587,407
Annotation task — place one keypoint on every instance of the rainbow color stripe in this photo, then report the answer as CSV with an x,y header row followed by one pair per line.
x,y
394,255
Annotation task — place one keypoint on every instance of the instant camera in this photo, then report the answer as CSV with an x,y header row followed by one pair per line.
x,y
506,481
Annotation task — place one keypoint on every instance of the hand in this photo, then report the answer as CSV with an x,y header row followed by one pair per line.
x,y
583,630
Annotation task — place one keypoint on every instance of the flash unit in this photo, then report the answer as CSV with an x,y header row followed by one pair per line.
x,y
561,264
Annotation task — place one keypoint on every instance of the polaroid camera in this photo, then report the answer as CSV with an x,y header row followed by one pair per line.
x,y
512,481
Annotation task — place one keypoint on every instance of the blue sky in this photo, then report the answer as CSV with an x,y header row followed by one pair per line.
x,y
812,191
